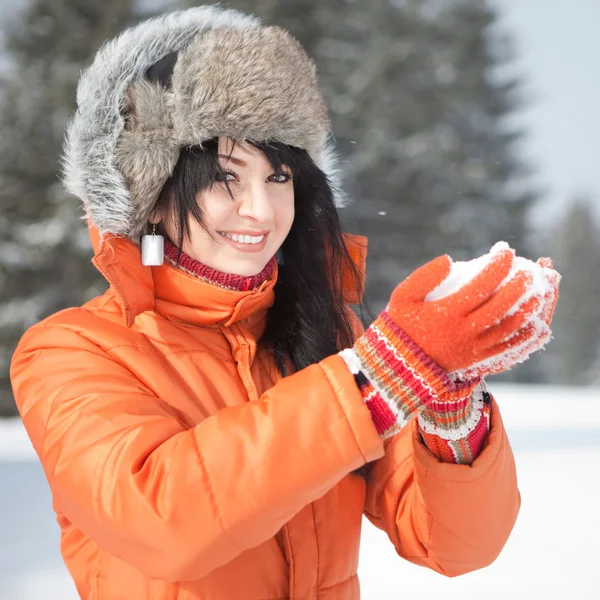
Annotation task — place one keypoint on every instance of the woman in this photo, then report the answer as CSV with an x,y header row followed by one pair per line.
x,y
216,424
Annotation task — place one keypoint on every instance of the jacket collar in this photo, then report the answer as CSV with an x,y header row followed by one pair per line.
x,y
183,297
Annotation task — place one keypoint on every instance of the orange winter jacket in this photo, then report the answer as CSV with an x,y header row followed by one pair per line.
x,y
183,467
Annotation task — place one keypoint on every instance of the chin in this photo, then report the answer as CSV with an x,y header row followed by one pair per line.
x,y
247,270
243,268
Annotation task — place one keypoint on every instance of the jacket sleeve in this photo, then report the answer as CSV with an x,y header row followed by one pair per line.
x,y
451,518
178,502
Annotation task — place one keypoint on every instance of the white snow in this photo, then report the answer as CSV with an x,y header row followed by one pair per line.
x,y
14,444
553,551
463,272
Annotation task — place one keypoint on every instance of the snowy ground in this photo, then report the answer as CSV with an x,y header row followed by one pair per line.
x,y
554,551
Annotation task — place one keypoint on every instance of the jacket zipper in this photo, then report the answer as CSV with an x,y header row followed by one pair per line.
x,y
290,559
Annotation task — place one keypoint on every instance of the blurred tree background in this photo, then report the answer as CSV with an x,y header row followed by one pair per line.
x,y
420,100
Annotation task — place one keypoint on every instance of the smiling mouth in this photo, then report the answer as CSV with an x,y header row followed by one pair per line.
x,y
242,238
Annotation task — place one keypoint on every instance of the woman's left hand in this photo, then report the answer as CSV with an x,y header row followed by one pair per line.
x,y
536,331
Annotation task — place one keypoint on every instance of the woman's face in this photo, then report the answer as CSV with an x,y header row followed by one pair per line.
x,y
244,232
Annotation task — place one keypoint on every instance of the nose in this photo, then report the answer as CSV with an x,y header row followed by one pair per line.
x,y
256,203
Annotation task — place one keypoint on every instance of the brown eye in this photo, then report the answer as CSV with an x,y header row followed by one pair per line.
x,y
226,176
280,177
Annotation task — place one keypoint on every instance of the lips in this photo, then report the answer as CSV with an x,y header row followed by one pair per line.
x,y
244,238
246,247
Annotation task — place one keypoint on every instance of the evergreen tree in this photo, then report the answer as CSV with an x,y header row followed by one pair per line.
x,y
574,353
592,377
45,251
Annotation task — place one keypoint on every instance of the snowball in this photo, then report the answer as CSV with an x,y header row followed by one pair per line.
x,y
461,273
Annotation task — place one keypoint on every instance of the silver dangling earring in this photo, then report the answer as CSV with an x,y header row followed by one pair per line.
x,y
153,249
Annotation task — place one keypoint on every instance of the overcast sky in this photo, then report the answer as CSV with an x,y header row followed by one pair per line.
x,y
559,48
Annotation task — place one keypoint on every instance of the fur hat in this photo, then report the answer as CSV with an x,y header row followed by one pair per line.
x,y
227,75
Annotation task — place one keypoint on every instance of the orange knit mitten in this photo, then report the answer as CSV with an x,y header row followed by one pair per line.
x,y
469,325
403,360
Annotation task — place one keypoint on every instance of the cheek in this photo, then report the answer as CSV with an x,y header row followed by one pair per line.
x,y
216,211
285,213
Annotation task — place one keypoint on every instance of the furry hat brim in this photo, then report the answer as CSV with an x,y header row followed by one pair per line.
x,y
233,77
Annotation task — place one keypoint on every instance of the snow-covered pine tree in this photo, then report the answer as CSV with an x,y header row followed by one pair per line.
x,y
44,247
592,377
574,353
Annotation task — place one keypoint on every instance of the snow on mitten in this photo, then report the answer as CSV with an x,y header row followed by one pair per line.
x,y
535,332
403,360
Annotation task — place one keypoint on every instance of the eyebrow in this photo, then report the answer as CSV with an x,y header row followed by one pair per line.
x,y
236,161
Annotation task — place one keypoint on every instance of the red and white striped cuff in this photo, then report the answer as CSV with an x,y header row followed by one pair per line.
x,y
455,427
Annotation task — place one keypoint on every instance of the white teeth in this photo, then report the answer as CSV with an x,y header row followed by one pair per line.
x,y
243,239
